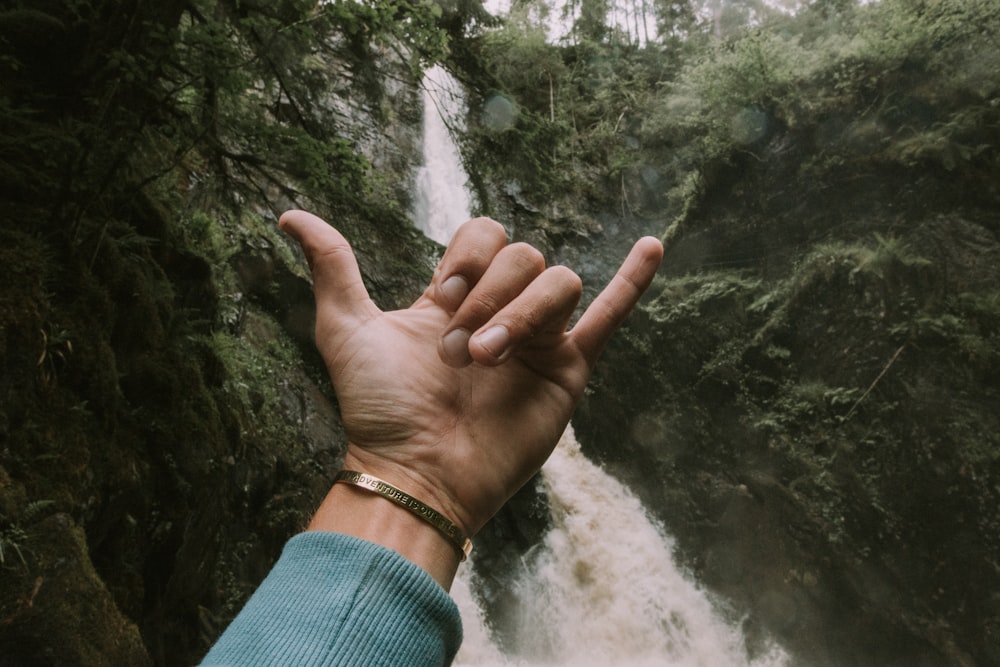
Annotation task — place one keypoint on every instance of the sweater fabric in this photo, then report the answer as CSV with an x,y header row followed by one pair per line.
x,y
336,600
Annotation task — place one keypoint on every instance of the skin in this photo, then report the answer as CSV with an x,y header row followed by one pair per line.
x,y
459,399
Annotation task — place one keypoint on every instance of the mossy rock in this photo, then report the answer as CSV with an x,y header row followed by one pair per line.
x,y
55,609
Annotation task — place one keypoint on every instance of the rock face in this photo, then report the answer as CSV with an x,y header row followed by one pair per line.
x,y
66,615
806,399
813,421
165,421
151,475
807,396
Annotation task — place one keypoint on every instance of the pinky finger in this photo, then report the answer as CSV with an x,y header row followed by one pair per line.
x,y
615,302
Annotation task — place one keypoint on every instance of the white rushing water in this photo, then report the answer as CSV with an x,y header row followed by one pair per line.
x,y
603,588
442,198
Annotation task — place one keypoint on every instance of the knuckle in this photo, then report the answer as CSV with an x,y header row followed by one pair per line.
x,y
334,253
488,226
568,278
482,304
526,255
528,318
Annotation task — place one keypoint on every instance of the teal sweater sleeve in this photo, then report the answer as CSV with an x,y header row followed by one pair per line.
x,y
335,600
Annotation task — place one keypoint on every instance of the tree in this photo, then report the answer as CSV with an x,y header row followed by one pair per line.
x,y
592,22
676,20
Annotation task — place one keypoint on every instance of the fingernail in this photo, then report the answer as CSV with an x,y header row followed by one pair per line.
x,y
454,290
495,340
455,345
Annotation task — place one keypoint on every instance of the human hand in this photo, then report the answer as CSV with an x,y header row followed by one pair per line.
x,y
461,398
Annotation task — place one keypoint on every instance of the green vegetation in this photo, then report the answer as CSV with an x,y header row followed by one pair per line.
x,y
154,325
823,338
807,399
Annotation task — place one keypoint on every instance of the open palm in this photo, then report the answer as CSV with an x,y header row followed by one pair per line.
x,y
461,397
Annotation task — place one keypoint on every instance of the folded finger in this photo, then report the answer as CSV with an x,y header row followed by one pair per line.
x,y
543,307
510,272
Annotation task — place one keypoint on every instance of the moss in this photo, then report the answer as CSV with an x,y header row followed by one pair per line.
x,y
24,310
808,401
55,609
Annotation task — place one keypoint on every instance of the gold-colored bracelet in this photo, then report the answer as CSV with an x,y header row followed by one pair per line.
x,y
406,501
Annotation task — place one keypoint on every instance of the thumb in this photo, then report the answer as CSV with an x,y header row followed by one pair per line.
x,y
340,291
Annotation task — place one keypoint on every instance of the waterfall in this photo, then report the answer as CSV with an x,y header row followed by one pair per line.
x,y
442,198
603,587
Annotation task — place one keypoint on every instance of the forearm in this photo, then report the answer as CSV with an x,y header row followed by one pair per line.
x,y
334,600
352,590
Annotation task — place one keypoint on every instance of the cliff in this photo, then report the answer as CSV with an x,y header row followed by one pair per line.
x,y
807,398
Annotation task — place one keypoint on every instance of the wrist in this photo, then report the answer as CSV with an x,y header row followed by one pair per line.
x,y
444,525
414,481
358,512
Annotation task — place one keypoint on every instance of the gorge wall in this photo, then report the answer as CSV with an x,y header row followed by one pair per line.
x,y
806,399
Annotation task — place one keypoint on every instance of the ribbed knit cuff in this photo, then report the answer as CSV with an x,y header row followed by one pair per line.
x,y
335,600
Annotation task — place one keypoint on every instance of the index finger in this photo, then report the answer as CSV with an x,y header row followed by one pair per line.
x,y
616,301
